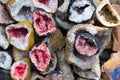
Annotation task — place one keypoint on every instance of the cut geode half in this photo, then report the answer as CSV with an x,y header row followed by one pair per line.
x,y
48,5
5,60
21,35
107,15
43,59
43,23
21,9
81,11
20,70
40,56
84,43
3,39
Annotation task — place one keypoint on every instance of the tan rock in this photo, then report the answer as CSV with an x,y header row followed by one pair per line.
x,y
5,18
117,8
112,67
116,31
116,38
35,76
57,40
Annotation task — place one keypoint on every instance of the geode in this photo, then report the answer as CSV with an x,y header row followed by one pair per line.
x,y
21,35
21,9
47,5
3,39
21,70
84,43
43,23
43,58
81,11
107,15
5,60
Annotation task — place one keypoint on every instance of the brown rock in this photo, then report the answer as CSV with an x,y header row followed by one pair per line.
x,y
36,76
116,38
111,68
57,40
115,1
116,31
5,18
117,8
18,54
